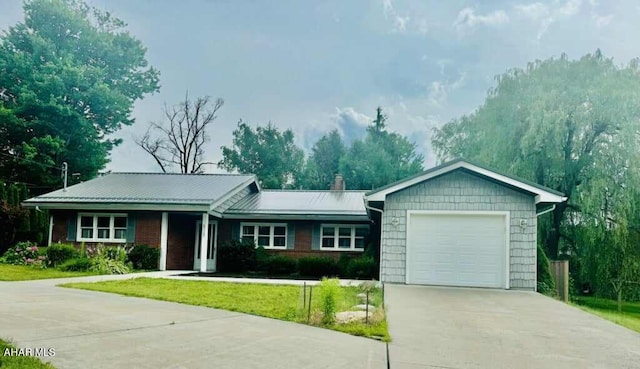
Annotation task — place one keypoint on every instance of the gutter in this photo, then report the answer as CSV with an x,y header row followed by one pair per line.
x,y
366,205
552,208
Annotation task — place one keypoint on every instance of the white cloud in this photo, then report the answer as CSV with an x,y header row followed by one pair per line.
x,y
602,21
571,7
546,15
438,91
467,19
534,11
403,23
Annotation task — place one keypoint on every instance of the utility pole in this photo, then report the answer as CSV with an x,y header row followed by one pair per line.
x,y
65,169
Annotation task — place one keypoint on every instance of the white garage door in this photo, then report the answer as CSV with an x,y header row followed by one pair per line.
x,y
457,249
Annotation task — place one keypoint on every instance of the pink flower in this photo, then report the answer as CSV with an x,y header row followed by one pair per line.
x,y
34,248
29,260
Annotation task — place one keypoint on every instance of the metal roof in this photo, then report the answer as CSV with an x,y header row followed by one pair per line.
x,y
286,202
149,188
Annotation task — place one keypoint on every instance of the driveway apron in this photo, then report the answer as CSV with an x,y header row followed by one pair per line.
x,y
462,328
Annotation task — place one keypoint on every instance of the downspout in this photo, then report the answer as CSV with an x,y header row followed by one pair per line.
x,y
381,233
552,208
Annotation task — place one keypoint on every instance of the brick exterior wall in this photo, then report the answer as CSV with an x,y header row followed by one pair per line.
x,y
461,191
303,239
60,225
148,227
181,235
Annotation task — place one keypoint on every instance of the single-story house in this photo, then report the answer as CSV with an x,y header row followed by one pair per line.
x,y
458,224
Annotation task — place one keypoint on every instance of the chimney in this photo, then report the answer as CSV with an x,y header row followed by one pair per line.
x,y
338,183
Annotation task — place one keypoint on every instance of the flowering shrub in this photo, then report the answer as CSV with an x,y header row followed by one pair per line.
x,y
24,253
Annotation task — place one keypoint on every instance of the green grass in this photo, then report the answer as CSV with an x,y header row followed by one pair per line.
x,y
20,362
27,273
282,302
608,309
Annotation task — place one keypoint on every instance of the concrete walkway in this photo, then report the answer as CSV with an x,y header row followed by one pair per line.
x,y
100,330
462,328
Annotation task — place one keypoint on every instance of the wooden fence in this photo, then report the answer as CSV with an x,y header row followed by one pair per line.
x,y
560,274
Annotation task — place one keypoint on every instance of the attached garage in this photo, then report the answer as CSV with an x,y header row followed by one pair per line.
x,y
458,249
460,224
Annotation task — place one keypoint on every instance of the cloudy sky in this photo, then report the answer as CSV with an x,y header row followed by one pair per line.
x,y
316,65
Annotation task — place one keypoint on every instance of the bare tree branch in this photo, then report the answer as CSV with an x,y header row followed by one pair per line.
x,y
180,140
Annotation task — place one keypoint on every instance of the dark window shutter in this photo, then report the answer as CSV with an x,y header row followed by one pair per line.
x,y
72,227
315,237
291,236
131,228
235,231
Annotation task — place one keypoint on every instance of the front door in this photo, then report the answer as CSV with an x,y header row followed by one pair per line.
x,y
211,247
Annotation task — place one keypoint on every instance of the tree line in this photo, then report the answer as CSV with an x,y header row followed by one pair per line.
x,y
70,74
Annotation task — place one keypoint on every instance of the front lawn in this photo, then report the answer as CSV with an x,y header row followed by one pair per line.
x,y
27,273
282,302
20,362
608,309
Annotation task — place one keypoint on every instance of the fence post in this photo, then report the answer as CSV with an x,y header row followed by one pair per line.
x,y
309,311
366,307
560,274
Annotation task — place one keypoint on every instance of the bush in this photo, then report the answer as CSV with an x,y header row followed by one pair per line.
x,y
81,264
144,257
280,265
24,253
237,256
364,267
262,258
329,295
314,266
105,265
58,254
545,285
117,253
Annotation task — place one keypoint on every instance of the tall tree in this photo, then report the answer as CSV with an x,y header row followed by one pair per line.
x,y
571,125
69,75
380,158
323,162
179,141
552,123
266,152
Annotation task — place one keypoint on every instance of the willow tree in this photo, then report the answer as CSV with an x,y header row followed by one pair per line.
x,y
571,125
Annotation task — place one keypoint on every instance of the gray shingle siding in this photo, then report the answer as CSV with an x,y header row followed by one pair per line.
x,y
461,191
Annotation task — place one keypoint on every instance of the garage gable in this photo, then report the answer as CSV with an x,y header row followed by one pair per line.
x,y
541,193
460,229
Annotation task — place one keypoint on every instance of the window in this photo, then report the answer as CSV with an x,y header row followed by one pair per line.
x,y
343,237
267,235
102,227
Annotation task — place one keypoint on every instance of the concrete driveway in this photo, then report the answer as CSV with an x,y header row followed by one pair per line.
x,y
99,330
456,328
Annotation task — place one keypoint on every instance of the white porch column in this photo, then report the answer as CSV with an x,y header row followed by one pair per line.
x,y
164,232
50,230
204,242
